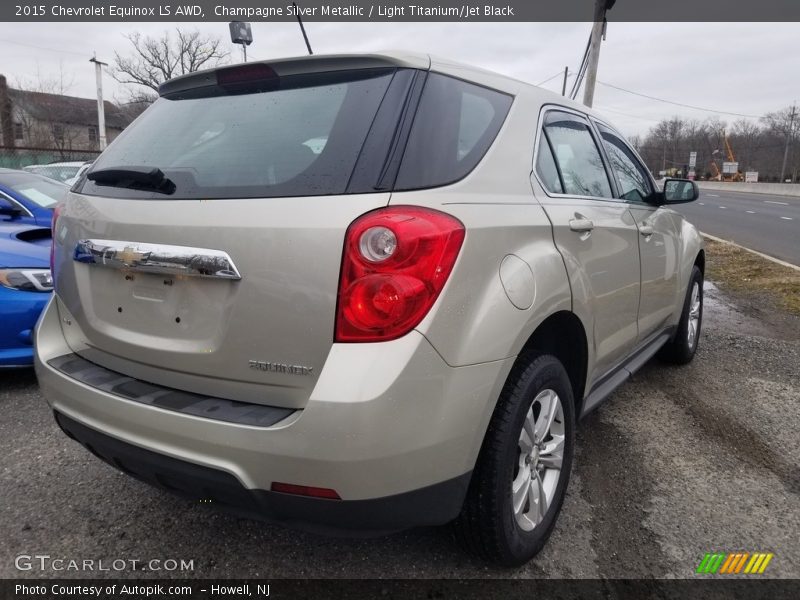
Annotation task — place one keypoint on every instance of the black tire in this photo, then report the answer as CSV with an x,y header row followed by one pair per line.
x,y
679,350
487,527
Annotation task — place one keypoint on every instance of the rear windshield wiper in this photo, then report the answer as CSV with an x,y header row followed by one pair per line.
x,y
135,178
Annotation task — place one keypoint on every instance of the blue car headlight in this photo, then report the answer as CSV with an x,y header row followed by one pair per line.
x,y
27,280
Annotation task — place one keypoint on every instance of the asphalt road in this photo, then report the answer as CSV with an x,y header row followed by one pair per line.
x,y
769,224
680,462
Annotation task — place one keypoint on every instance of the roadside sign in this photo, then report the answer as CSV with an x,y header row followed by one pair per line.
x,y
730,168
692,174
692,160
751,177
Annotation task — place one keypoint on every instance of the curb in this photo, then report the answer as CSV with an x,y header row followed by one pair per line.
x,y
769,258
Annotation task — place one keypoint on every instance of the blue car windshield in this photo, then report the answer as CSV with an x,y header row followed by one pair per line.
x,y
38,190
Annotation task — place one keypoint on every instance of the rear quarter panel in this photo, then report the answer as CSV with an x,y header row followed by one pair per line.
x,y
474,320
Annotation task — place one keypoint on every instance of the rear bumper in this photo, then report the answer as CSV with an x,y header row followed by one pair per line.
x,y
432,505
390,427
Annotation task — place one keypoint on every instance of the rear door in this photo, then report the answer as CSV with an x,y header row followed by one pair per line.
x,y
595,233
658,234
221,277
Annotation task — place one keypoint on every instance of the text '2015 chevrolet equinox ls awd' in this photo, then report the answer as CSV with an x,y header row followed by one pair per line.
x,y
363,292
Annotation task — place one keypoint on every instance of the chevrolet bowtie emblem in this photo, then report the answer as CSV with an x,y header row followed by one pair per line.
x,y
130,255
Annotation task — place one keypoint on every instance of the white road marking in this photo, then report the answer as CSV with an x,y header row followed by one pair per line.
x,y
702,203
722,207
774,202
752,212
713,195
787,218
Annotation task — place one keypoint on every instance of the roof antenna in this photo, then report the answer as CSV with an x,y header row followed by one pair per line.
x,y
303,29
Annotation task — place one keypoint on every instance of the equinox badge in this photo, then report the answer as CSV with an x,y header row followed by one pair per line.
x,y
260,365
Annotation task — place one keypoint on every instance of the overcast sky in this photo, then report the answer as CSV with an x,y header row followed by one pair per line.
x,y
748,68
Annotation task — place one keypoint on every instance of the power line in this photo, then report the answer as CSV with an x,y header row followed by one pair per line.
x,y
581,70
711,110
44,48
604,109
541,83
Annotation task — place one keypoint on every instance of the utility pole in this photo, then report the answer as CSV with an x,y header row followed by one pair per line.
x,y
101,108
789,135
564,85
598,32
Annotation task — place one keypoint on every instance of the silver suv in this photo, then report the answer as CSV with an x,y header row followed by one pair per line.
x,y
363,292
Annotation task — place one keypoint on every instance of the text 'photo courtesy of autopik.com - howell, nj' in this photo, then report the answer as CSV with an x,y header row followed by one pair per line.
x,y
376,299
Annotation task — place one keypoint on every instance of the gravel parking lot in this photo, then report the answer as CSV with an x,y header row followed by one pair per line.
x,y
681,461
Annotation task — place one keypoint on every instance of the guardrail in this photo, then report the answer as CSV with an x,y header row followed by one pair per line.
x,y
777,189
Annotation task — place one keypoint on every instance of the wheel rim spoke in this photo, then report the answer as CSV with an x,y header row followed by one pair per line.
x,y
525,442
520,489
529,425
549,402
551,456
538,500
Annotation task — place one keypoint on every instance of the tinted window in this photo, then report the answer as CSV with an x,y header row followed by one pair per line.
x,y
577,155
633,180
546,168
455,125
302,138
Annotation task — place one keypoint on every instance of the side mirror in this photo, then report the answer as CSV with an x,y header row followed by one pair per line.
x,y
678,191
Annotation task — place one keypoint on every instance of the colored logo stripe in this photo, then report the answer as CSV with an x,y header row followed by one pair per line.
x,y
734,563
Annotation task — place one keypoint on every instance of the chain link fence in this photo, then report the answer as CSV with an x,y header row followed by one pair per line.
x,y
46,161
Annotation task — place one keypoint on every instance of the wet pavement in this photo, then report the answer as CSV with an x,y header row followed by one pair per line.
x,y
679,462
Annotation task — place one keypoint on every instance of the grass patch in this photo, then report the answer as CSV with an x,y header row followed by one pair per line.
x,y
742,271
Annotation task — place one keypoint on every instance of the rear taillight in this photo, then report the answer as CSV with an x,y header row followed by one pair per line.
x,y
396,262
56,213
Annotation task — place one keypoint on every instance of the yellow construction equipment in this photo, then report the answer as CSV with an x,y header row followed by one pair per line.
x,y
717,173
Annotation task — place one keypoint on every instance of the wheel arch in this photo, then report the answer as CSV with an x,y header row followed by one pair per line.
x,y
700,261
562,334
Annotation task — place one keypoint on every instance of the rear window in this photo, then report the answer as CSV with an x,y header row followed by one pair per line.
x,y
455,125
301,139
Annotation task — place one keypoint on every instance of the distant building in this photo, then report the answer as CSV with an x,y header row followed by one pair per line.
x,y
63,124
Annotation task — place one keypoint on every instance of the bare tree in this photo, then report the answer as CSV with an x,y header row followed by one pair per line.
x,y
155,60
758,146
782,122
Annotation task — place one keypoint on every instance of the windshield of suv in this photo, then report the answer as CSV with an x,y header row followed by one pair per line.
x,y
301,139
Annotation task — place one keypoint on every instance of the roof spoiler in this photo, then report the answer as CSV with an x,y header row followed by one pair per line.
x,y
264,70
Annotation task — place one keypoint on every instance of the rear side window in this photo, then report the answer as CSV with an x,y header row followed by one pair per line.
x,y
302,138
455,125
578,158
546,167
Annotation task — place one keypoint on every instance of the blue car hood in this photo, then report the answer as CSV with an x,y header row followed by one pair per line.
x,y
24,246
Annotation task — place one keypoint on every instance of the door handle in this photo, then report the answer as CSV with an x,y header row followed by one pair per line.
x,y
646,230
581,225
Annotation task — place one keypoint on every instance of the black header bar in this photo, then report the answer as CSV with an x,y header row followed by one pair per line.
x,y
399,11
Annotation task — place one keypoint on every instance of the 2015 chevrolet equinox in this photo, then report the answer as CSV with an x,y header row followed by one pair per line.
x,y
368,292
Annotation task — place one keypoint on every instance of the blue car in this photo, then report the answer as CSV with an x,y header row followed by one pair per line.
x,y
25,288
28,198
